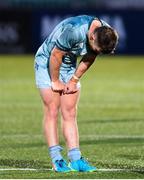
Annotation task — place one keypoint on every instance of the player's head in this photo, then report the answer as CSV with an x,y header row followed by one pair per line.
x,y
103,40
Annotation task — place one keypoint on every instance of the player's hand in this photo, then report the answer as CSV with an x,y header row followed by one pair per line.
x,y
57,86
70,88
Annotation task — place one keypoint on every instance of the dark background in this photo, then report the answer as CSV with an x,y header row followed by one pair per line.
x,y
24,24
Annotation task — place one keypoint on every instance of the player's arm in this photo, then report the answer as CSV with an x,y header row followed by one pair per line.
x,y
54,66
84,65
63,44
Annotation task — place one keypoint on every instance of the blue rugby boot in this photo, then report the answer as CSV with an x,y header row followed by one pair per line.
x,y
81,165
60,166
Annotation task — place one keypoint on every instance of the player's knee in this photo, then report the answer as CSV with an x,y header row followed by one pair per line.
x,y
69,113
54,114
46,103
51,112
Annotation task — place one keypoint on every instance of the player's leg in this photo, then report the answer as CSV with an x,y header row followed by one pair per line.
x,y
51,104
69,122
70,130
51,101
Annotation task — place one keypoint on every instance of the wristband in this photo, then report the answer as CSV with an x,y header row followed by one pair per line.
x,y
52,83
74,79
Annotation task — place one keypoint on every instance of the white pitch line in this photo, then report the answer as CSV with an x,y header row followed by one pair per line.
x,y
98,170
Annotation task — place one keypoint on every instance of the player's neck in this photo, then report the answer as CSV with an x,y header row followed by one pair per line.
x,y
95,24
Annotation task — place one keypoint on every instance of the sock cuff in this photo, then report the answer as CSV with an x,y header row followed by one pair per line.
x,y
55,148
73,150
74,154
54,152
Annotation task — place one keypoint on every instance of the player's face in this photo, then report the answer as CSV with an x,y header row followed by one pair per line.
x,y
95,48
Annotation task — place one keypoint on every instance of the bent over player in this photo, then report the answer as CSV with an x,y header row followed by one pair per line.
x,y
57,77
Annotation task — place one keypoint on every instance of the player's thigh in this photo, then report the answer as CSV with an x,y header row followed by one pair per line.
x,y
69,102
50,98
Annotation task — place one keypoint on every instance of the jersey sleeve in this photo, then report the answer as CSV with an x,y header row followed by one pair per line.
x,y
67,39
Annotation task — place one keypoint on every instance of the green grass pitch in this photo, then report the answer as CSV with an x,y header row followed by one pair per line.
x,y
110,118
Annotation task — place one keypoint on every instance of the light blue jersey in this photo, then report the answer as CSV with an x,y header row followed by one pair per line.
x,y
70,35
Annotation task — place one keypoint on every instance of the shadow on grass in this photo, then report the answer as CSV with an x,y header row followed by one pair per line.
x,y
132,157
22,145
23,163
129,141
112,121
87,141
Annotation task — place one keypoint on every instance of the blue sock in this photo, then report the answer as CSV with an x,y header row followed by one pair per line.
x,y
55,153
74,154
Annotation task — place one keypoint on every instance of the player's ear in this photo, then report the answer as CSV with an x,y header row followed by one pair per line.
x,y
91,36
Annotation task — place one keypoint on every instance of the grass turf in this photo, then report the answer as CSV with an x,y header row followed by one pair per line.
x,y
110,118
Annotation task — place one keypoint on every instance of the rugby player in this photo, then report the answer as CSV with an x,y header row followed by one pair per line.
x,y
58,80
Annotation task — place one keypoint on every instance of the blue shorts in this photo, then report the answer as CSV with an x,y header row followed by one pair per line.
x,y
42,75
